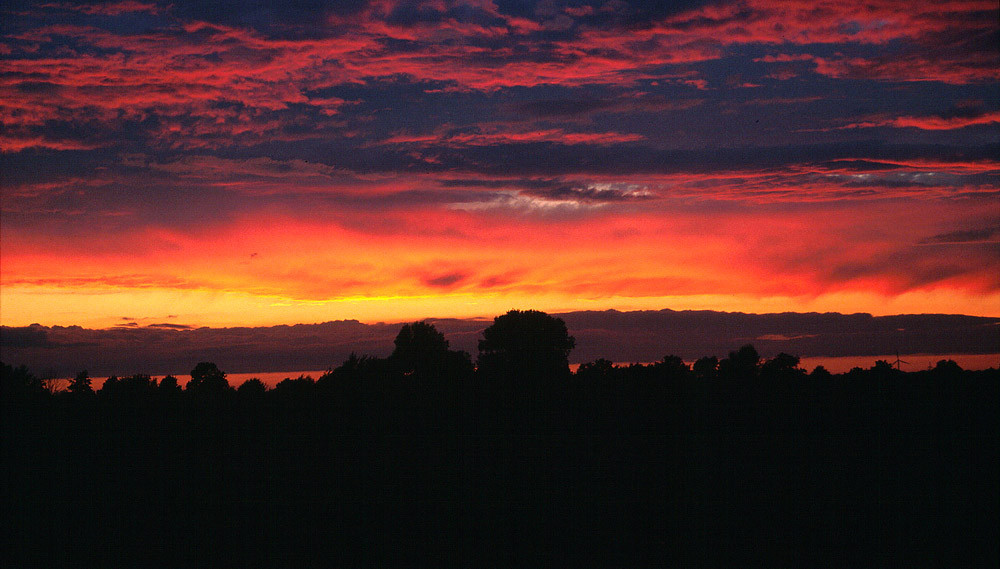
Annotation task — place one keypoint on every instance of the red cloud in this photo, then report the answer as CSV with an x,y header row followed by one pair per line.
x,y
9,143
109,9
804,22
918,66
930,122
185,70
497,137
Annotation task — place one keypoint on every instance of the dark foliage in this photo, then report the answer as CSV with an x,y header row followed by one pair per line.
x,y
169,387
80,385
420,459
208,380
420,349
523,359
526,343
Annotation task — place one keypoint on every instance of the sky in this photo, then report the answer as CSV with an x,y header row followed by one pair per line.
x,y
226,163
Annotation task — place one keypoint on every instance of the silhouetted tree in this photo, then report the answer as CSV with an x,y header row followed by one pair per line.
x,y
18,382
527,344
169,386
820,372
301,387
207,379
80,384
706,368
742,364
52,385
345,379
109,385
882,369
132,387
947,368
782,366
420,349
672,368
252,387
598,369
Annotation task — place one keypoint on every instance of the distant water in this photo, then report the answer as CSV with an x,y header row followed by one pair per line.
x,y
269,378
914,362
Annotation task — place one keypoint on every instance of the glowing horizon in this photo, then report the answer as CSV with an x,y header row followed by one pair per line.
x,y
228,309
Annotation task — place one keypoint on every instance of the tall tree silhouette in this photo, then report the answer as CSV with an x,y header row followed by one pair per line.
x,y
743,364
420,349
207,378
80,384
527,344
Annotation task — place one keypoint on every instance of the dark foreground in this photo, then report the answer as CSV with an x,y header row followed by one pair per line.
x,y
641,466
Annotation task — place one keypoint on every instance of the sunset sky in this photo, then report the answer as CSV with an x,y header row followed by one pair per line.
x,y
252,163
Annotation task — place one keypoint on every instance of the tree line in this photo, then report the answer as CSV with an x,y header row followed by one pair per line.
x,y
524,354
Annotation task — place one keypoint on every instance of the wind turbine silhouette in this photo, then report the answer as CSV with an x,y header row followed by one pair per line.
x,y
899,361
